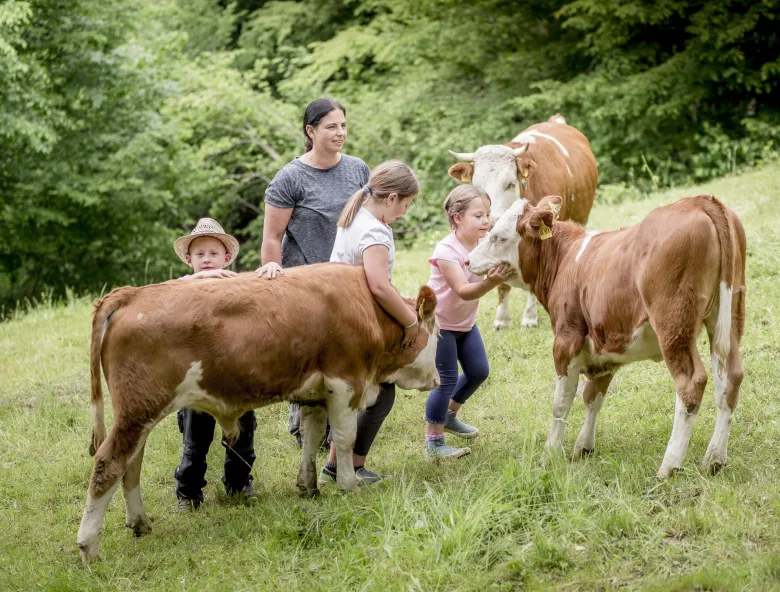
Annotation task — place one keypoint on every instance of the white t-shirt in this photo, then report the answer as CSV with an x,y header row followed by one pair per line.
x,y
365,231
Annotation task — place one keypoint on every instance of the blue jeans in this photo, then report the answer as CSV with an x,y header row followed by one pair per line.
x,y
467,348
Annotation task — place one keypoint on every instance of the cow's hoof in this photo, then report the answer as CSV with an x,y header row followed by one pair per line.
x,y
714,466
88,552
309,493
666,472
582,452
500,325
530,323
140,527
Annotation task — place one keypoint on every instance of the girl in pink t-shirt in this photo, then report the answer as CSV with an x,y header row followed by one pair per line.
x,y
457,294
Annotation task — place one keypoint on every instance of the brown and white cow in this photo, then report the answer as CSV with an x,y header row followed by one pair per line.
x,y
550,158
314,336
633,294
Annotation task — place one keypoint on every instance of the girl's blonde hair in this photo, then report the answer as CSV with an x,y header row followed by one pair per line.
x,y
459,199
392,176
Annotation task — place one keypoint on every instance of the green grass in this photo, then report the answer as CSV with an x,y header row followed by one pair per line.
x,y
494,520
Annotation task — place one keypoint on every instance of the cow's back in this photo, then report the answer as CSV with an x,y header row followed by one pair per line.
x,y
565,166
251,335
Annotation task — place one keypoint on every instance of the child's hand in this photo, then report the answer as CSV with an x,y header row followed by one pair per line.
x,y
213,273
271,270
410,334
500,273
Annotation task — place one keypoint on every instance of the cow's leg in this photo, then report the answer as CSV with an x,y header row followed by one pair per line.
x,y
593,397
343,429
690,378
312,428
727,381
110,465
135,515
502,312
530,315
565,390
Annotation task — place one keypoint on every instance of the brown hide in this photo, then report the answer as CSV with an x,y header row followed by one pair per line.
x,y
545,165
258,340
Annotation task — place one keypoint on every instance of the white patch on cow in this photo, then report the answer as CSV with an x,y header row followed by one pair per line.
x,y
501,246
568,170
135,512
590,234
717,450
343,427
524,138
678,442
586,441
422,373
559,119
503,318
369,396
722,339
538,134
643,346
495,172
530,314
312,389
565,390
92,521
190,394
140,316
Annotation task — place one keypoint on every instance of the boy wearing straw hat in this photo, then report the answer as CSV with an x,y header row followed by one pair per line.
x,y
208,250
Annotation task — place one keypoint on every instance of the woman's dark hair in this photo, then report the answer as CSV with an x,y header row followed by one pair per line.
x,y
314,114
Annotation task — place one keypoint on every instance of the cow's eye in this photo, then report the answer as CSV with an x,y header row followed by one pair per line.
x,y
511,185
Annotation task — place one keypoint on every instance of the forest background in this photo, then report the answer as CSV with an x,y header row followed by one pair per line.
x,y
123,122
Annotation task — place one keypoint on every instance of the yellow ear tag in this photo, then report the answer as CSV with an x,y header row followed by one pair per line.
x,y
524,173
545,231
556,209
465,179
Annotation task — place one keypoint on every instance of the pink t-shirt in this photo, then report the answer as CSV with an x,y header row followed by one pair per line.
x,y
454,313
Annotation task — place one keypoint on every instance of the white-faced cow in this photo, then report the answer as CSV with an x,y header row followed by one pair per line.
x,y
314,336
551,158
633,294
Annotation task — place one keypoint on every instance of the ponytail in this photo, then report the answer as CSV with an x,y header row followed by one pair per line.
x,y
353,206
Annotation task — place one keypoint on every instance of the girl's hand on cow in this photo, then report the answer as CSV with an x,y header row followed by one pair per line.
x,y
271,270
410,334
500,273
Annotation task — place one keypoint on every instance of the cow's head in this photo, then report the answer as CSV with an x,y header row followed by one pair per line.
x,y
501,171
515,239
418,362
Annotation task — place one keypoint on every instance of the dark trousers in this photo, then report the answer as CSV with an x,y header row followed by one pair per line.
x,y
198,431
467,348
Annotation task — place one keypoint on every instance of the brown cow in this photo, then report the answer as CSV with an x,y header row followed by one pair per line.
x,y
314,336
551,158
633,294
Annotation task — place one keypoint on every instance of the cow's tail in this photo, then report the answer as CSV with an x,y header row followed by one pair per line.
x,y
104,308
721,341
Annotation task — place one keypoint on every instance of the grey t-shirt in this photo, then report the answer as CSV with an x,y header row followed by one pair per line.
x,y
317,197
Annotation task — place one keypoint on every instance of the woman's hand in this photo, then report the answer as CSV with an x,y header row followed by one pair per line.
x,y
271,270
499,274
410,334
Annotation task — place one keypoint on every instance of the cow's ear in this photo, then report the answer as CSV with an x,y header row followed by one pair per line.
x,y
525,167
426,304
538,223
462,171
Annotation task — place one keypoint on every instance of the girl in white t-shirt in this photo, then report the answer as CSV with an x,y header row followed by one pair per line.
x,y
457,298
365,238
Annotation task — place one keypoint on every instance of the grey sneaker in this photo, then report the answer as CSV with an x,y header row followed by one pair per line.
x,y
364,476
455,426
438,449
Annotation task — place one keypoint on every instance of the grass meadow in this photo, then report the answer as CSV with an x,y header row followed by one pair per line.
x,y
495,520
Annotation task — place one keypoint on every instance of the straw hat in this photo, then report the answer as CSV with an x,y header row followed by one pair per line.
x,y
206,227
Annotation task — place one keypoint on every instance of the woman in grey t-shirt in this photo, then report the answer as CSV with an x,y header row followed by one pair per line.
x,y
302,206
